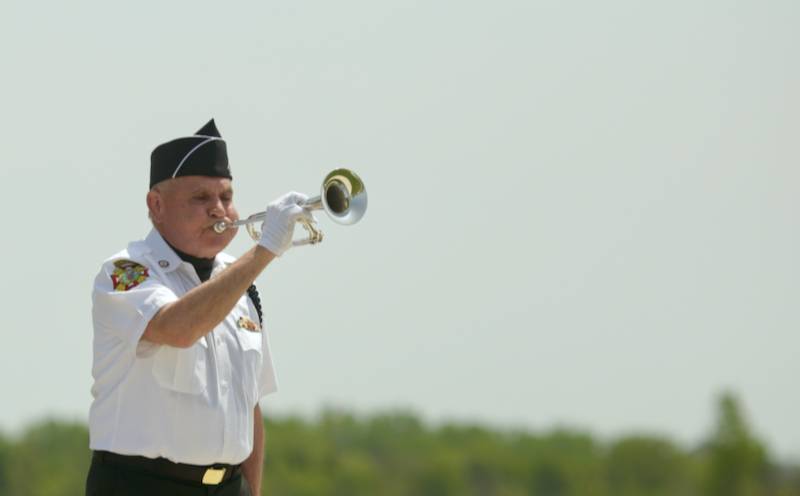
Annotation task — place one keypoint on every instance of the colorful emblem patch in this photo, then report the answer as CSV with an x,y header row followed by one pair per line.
x,y
245,323
128,274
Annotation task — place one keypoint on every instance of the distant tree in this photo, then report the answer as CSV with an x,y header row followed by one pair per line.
x,y
785,480
549,479
738,463
396,454
5,460
567,463
51,459
646,466
443,477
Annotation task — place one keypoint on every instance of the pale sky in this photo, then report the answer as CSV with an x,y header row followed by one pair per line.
x,y
581,213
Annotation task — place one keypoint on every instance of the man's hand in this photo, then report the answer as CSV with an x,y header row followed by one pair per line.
x,y
278,227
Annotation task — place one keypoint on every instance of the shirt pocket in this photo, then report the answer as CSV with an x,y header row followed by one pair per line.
x,y
182,369
249,340
250,344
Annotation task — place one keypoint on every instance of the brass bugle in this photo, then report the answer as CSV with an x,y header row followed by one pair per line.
x,y
342,196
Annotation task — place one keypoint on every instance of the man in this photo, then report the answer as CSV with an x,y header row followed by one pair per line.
x,y
181,356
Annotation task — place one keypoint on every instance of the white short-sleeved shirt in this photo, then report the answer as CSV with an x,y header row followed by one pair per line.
x,y
192,405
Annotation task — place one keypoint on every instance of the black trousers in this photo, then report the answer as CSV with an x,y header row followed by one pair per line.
x,y
112,480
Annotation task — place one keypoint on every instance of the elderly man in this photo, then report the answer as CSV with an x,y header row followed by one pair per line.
x,y
181,355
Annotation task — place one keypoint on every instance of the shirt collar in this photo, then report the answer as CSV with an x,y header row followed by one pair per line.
x,y
162,254
168,260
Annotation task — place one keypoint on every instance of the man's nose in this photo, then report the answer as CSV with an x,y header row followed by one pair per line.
x,y
217,210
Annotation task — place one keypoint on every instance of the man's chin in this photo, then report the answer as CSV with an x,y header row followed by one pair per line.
x,y
214,243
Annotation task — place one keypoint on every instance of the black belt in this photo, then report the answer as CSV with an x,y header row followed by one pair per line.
x,y
205,474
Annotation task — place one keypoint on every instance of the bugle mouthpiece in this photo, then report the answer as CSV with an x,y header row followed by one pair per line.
x,y
220,227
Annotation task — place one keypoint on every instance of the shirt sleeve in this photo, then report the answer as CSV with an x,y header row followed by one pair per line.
x,y
125,313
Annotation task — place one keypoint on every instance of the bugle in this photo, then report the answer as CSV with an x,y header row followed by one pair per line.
x,y
342,196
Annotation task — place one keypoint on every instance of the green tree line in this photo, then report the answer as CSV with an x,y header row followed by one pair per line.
x,y
396,453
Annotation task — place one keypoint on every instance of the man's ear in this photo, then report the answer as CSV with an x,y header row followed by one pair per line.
x,y
155,204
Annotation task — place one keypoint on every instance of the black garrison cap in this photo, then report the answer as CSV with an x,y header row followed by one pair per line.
x,y
203,154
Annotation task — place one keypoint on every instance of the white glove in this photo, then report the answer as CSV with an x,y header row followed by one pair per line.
x,y
277,230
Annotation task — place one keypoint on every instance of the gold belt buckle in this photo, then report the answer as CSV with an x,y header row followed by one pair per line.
x,y
213,476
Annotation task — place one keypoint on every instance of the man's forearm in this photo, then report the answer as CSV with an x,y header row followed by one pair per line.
x,y
195,314
251,468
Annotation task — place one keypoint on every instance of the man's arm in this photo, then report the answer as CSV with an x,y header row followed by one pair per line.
x,y
251,468
181,323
